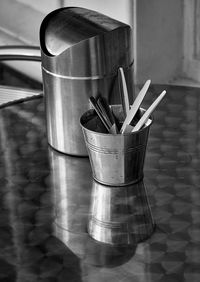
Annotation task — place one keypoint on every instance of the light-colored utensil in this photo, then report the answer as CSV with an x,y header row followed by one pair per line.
x,y
134,108
148,112
123,91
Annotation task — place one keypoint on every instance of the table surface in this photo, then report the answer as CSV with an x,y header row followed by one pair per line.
x,y
46,199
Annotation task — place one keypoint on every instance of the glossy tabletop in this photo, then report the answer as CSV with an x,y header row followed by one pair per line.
x,y
146,232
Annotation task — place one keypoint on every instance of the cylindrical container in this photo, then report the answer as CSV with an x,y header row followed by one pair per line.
x,y
81,51
116,159
120,215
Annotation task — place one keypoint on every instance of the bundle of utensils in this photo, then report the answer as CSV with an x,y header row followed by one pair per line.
x,y
109,120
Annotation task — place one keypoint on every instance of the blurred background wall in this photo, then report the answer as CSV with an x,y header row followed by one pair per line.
x,y
166,35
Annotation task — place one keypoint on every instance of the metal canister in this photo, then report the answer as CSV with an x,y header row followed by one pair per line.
x,y
81,51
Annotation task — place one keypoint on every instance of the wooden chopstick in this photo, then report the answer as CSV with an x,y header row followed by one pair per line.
x,y
134,108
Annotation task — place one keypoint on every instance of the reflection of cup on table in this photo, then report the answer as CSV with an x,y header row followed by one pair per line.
x,y
120,215
118,159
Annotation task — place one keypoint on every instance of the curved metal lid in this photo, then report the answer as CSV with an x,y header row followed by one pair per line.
x,y
78,42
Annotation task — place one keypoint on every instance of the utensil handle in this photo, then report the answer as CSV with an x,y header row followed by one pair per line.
x,y
123,91
134,108
98,111
148,112
107,114
104,114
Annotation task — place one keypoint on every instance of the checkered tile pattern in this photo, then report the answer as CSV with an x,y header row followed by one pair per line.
x,y
45,200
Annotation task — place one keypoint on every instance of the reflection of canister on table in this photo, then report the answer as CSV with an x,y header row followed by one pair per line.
x,y
81,52
116,159
72,183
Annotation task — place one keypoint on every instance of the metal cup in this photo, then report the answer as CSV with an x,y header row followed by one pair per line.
x,y
118,159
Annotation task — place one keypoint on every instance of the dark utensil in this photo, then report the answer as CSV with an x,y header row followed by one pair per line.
x,y
99,113
106,111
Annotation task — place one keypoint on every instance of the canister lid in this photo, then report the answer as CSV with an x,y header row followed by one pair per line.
x,y
78,42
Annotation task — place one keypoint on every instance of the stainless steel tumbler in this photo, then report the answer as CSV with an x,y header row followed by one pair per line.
x,y
116,159
81,51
